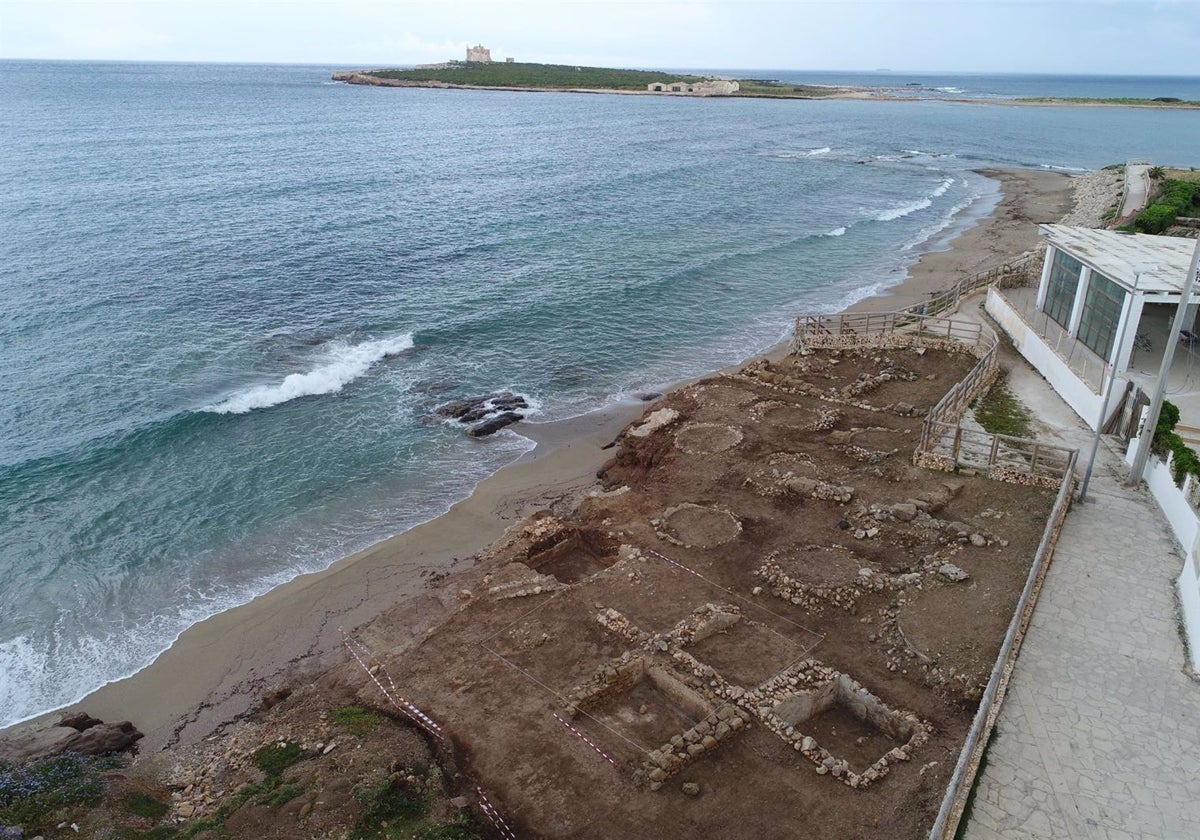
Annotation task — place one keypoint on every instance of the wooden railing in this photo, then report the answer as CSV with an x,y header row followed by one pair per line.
x,y
1014,272
949,446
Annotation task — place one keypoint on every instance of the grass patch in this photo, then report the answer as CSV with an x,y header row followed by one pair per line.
x,y
273,759
282,795
144,805
1000,412
356,720
33,795
391,811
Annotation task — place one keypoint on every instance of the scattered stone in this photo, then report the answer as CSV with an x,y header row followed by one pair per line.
x,y
329,748
951,572
691,788
978,540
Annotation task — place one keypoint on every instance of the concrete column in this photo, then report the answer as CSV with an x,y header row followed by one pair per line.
x,y
1046,264
1085,279
1131,317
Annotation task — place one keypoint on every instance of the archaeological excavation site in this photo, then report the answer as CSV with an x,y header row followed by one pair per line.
x,y
775,614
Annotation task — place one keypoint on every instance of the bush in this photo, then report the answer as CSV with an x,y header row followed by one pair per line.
x,y
1155,219
1184,461
145,805
273,759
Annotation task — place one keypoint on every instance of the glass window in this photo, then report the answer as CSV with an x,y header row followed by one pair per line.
x,y
1102,307
1061,287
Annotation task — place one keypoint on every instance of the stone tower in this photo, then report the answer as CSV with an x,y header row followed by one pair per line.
x,y
479,53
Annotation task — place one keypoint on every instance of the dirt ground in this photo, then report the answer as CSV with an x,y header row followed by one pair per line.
x,y
763,622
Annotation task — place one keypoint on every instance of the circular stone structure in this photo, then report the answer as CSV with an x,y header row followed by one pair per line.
x,y
723,396
695,525
822,566
785,414
707,438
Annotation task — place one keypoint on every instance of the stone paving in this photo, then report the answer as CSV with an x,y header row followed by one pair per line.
x,y
1099,736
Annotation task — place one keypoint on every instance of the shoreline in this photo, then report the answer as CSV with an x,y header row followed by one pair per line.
x,y
838,92
218,669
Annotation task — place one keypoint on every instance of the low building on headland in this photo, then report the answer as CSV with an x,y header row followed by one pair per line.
x,y
708,87
1096,327
479,54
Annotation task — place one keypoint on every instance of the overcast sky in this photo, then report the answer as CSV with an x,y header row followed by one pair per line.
x,y
1063,36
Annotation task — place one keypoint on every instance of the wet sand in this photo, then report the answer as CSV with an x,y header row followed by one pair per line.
x,y
219,668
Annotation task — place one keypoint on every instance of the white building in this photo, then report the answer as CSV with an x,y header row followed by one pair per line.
x,y
1104,303
708,87
1102,312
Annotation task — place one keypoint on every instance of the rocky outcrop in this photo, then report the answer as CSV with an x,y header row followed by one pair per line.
x,y
78,733
496,411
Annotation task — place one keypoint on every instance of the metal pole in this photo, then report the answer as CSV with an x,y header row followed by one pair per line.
x,y
1160,388
1107,392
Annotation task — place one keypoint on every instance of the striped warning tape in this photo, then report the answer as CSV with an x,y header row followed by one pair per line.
x,y
405,707
493,814
586,740
687,569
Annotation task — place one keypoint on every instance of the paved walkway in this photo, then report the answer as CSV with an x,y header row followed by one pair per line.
x,y
1099,736
1137,182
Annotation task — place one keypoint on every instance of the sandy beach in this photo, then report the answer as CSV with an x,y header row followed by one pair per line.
x,y
219,669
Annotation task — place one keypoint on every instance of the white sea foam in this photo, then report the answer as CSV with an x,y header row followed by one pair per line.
x,y
824,150
841,231
903,210
950,89
343,364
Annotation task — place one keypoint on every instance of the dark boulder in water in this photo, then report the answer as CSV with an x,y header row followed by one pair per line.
x,y
494,424
471,409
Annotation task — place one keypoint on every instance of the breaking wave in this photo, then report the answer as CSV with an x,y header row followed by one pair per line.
x,y
903,210
344,364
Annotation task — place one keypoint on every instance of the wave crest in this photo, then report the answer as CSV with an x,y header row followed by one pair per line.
x,y
903,210
345,363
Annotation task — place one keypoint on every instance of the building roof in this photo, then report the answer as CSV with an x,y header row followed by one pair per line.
x,y
1119,256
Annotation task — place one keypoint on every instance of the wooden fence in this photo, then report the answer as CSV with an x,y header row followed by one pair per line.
x,y
949,446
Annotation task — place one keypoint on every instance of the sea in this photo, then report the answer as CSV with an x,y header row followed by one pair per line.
x,y
231,297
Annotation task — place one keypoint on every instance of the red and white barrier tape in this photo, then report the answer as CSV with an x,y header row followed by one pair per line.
x,y
687,569
586,740
405,707
493,814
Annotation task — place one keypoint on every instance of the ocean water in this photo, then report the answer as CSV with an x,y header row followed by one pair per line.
x,y
232,296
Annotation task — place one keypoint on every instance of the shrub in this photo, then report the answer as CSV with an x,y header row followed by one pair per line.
x,y
1155,219
273,759
144,805
1184,461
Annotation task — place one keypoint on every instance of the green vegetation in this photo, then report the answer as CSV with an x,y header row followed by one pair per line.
x,y
393,810
1001,413
144,805
517,74
1157,102
767,87
1184,459
34,795
282,795
356,720
273,759
568,77
1176,198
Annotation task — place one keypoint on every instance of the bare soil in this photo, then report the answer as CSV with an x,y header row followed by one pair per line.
x,y
690,515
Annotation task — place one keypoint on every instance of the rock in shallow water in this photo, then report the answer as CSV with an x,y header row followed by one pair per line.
x,y
470,409
494,424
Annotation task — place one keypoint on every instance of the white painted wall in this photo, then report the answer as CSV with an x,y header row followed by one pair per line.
x,y
1049,364
1185,524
